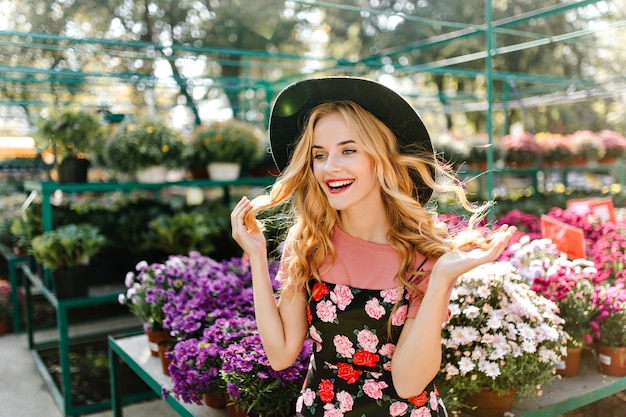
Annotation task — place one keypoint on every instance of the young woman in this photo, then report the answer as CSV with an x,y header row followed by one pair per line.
x,y
366,270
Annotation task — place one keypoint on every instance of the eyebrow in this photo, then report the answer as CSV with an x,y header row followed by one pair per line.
x,y
345,142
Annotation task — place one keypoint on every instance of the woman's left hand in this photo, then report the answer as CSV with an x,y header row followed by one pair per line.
x,y
457,262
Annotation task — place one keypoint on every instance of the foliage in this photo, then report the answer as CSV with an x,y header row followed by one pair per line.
x,y
230,141
254,386
67,246
70,132
478,149
27,225
609,326
183,232
142,143
501,335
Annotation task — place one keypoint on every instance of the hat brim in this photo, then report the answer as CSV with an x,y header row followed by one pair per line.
x,y
295,102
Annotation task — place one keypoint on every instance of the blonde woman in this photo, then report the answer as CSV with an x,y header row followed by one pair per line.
x,y
366,270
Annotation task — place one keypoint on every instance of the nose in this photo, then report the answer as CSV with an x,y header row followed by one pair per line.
x,y
332,163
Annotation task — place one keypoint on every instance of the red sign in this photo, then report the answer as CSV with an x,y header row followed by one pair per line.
x,y
567,238
601,208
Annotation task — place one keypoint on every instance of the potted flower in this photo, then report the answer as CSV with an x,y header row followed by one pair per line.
x,y
555,150
498,326
614,145
477,150
145,147
569,283
196,362
6,307
232,142
66,251
609,327
586,146
254,387
71,134
520,150
145,298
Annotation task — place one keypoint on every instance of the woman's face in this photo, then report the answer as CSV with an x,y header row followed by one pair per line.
x,y
341,166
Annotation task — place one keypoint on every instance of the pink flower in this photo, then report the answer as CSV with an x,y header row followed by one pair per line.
x,y
344,346
399,316
342,296
387,350
368,341
390,296
331,411
398,408
308,396
346,402
374,389
421,412
326,311
374,309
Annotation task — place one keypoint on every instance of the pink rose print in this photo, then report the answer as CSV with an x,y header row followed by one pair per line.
x,y
342,296
390,296
433,400
387,350
331,411
344,346
316,338
368,340
374,389
308,396
399,316
326,311
421,412
398,408
374,309
299,404
346,402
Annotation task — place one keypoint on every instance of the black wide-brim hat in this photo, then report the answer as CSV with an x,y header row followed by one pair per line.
x,y
295,102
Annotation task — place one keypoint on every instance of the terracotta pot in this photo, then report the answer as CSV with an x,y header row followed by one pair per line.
x,y
163,348
487,403
569,365
154,338
5,327
612,360
234,411
215,399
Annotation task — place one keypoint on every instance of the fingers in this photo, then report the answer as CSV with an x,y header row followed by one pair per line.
x,y
238,214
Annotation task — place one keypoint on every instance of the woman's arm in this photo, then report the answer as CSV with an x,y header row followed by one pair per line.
x,y
417,357
283,325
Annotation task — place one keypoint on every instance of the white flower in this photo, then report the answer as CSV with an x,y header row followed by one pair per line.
x,y
471,312
491,369
466,365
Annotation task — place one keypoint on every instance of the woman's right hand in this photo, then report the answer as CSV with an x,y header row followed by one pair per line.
x,y
245,230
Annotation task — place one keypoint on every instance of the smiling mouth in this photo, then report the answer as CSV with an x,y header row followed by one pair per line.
x,y
336,186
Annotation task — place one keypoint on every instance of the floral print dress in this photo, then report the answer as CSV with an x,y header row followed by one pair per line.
x,y
350,371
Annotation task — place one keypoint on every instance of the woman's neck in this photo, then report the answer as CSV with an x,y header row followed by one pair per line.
x,y
370,227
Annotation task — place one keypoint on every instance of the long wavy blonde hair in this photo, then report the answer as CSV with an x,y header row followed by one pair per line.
x,y
412,229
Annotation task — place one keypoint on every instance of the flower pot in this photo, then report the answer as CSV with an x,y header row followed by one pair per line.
x,y
487,403
175,175
155,337
215,399
71,282
72,170
569,365
224,171
612,360
5,327
233,410
152,175
163,348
